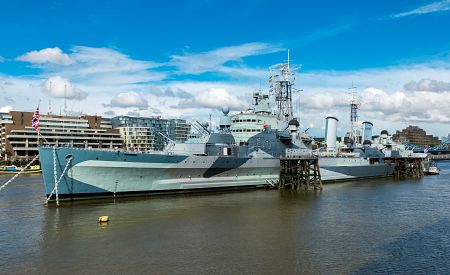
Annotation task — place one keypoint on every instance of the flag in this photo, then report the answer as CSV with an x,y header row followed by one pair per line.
x,y
35,119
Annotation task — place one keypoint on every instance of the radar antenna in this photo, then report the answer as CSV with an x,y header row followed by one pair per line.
x,y
281,80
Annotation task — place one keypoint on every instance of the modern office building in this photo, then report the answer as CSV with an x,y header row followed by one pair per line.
x,y
19,140
415,135
150,133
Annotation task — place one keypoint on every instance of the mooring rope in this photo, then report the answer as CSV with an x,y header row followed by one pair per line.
x,y
54,173
55,189
16,175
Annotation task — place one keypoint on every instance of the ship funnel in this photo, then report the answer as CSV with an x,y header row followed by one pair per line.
x,y
330,133
366,131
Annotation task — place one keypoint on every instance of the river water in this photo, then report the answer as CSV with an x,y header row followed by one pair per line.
x,y
363,227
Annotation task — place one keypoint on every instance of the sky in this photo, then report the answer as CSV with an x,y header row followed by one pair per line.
x,y
189,58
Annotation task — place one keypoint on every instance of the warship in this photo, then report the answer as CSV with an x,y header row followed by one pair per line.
x,y
244,152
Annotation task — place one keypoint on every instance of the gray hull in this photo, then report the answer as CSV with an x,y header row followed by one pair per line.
x,y
108,173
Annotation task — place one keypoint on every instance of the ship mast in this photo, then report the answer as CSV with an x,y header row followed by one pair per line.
x,y
280,81
353,114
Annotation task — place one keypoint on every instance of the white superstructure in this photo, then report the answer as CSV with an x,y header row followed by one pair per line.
x,y
248,123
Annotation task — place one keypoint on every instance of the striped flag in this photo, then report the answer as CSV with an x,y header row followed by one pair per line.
x,y
35,119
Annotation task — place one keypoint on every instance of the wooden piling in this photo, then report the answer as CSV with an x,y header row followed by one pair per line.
x,y
300,173
406,167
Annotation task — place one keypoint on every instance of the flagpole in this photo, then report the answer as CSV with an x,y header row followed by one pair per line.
x,y
45,140
35,124
38,130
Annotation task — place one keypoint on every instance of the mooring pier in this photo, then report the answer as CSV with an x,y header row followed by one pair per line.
x,y
406,167
440,157
300,173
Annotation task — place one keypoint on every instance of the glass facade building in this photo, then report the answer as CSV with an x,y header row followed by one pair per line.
x,y
143,133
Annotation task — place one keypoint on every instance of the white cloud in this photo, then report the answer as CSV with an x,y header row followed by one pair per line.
x,y
241,71
415,107
57,86
214,98
6,109
24,91
94,66
430,8
129,99
427,85
104,66
325,101
109,113
390,78
169,92
330,30
48,55
133,114
109,67
2,59
215,60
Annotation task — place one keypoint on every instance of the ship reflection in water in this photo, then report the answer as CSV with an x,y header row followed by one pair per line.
x,y
382,226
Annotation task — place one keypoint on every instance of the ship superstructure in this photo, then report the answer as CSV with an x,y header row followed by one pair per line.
x,y
254,120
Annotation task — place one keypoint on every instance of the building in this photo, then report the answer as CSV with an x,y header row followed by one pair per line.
x,y
19,140
150,133
137,138
415,135
445,141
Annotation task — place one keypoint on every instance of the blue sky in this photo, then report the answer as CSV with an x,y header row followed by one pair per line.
x,y
189,58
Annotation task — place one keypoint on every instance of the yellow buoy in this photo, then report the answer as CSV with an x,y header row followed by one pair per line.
x,y
103,219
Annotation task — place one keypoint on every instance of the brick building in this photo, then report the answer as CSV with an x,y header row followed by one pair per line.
x,y
415,135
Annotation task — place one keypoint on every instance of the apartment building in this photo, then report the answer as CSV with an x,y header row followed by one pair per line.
x,y
150,133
